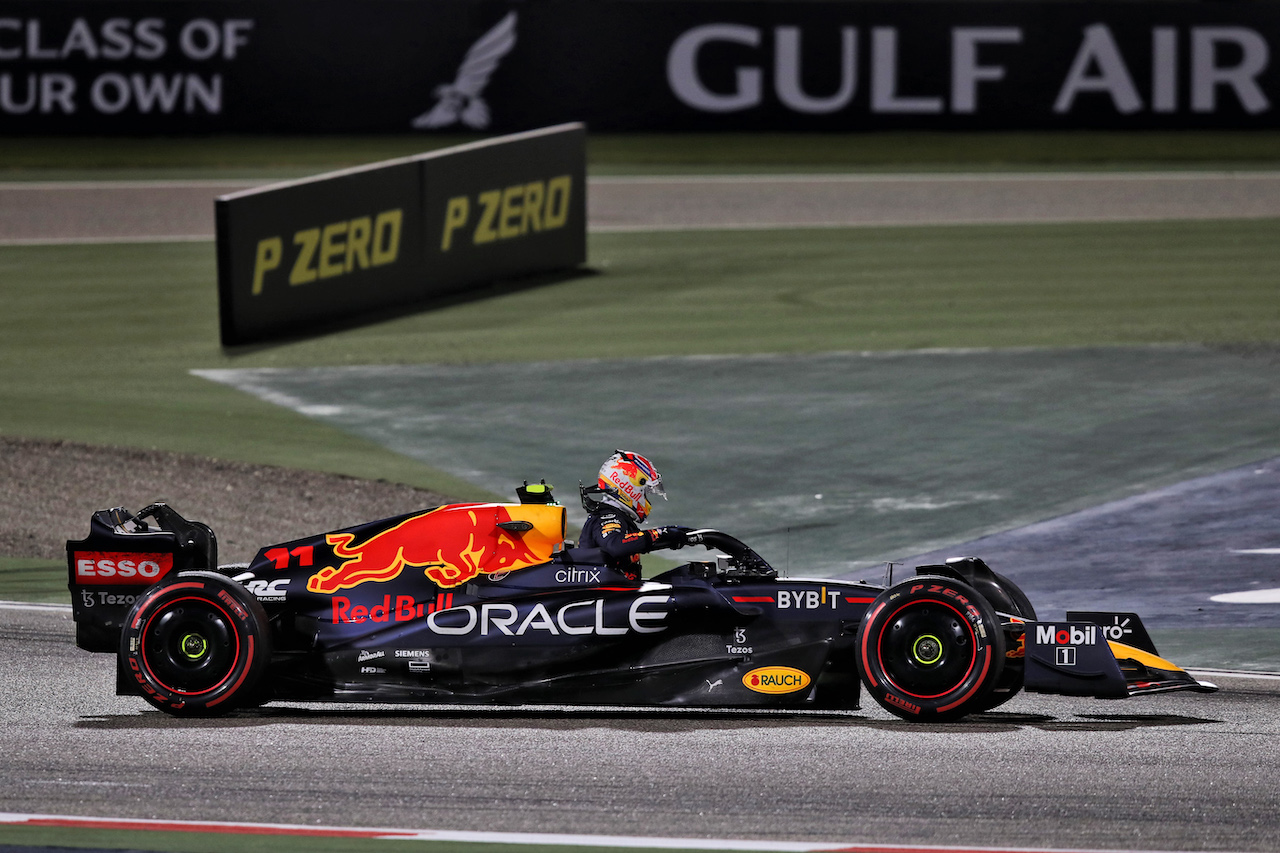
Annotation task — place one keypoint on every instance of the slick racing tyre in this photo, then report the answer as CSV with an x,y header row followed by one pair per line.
x,y
195,644
1015,661
930,649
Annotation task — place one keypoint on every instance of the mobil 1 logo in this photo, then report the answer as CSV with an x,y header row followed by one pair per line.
x,y
1065,639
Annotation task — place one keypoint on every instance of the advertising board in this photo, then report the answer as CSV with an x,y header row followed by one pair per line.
x,y
480,66
296,257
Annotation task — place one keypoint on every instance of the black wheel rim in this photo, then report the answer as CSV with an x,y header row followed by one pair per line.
x,y
190,646
927,649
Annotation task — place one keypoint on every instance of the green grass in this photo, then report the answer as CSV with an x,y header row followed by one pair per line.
x,y
25,579
96,341
857,289
255,156
96,347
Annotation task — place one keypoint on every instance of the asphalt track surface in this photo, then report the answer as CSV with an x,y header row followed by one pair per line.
x,y
1168,772
1186,771
34,211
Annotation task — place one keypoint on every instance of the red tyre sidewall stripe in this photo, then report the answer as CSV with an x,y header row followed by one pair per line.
x,y
963,619
248,664
147,601
142,652
986,665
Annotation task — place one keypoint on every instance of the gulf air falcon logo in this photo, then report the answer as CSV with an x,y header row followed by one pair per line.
x,y
460,100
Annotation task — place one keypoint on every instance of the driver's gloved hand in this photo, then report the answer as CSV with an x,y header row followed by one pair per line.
x,y
669,537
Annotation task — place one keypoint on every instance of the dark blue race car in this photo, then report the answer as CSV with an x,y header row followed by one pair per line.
x,y
486,603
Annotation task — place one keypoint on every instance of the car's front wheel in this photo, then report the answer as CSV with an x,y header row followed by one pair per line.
x,y
930,649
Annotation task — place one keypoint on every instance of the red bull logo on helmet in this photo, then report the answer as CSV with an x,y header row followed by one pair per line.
x,y
626,484
630,477
451,544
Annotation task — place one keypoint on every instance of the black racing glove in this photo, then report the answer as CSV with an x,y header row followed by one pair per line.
x,y
669,537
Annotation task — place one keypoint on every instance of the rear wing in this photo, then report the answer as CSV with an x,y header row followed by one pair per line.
x,y
122,556
1083,656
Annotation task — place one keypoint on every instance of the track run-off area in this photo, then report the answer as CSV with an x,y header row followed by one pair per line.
x,y
1169,772
34,212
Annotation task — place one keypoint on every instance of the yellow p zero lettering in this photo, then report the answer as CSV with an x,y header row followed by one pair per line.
x,y
558,197
269,252
532,207
358,233
484,231
509,221
306,241
333,250
455,216
386,237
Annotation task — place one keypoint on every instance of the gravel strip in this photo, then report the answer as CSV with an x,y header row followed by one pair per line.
x,y
52,487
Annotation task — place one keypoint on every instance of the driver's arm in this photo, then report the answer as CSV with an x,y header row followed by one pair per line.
x,y
614,538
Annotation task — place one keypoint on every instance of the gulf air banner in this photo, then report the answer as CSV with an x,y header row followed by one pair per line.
x,y
481,66
298,257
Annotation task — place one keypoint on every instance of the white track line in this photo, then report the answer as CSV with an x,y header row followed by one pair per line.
x,y
1236,673
34,605
621,841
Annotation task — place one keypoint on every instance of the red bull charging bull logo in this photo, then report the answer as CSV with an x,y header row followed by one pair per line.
x,y
451,544
628,473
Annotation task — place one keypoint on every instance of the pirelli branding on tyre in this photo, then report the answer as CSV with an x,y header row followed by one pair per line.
x,y
195,644
297,257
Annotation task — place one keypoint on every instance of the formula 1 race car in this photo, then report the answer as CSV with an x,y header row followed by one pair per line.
x,y
486,603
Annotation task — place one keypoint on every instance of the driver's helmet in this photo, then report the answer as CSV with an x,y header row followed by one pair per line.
x,y
626,480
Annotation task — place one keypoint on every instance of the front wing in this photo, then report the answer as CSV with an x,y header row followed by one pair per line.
x,y
1076,657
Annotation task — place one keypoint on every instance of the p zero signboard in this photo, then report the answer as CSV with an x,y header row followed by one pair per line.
x,y
492,214
298,256
306,253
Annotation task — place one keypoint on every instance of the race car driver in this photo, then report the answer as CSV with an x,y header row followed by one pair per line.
x,y
616,505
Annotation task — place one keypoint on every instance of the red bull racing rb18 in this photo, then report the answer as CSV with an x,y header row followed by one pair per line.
x,y
487,603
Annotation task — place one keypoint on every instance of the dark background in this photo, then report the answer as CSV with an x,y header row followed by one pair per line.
x,y
338,66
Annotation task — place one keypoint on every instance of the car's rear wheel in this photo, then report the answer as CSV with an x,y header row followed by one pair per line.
x,y
930,649
195,644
